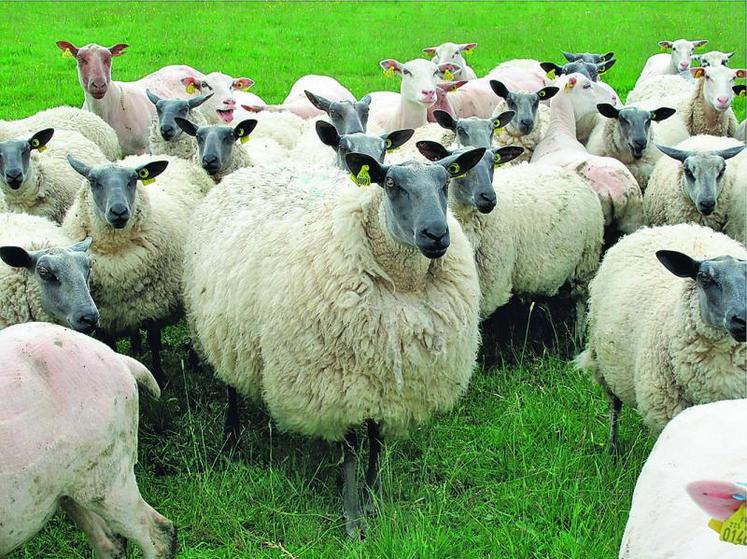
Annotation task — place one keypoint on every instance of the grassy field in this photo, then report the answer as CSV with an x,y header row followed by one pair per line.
x,y
519,469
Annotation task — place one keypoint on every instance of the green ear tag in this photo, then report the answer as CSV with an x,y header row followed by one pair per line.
x,y
497,125
454,169
35,143
468,52
362,178
389,72
144,174
244,139
541,93
551,74
448,76
388,145
191,88
497,160
67,54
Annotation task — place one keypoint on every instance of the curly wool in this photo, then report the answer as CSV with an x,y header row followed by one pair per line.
x,y
329,319
20,299
560,244
284,128
137,271
183,146
86,123
647,343
666,201
659,88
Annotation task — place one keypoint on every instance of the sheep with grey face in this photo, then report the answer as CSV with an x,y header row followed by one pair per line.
x,y
473,131
367,144
588,57
589,69
347,117
165,136
454,53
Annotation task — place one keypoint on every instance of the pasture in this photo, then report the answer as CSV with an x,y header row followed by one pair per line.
x,y
520,467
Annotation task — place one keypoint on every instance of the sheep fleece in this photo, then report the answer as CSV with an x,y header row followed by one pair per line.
x,y
306,300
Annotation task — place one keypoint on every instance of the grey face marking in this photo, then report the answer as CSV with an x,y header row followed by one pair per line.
x,y
114,187
703,174
523,104
15,157
169,109
475,187
373,146
215,144
722,288
473,131
62,277
588,57
635,124
588,69
347,117
416,197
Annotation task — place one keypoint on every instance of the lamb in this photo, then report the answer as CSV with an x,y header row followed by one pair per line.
x,y
628,135
85,123
682,341
45,275
42,184
714,58
615,186
665,518
80,449
454,53
560,243
678,61
381,309
694,184
165,136
138,237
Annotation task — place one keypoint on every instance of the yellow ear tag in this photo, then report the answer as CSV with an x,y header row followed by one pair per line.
x,y
448,76
148,181
388,145
734,528
468,52
41,149
362,178
541,94
246,88
742,92
143,174
568,86
497,160
389,72
244,139
551,74
67,54
35,144
454,168
191,88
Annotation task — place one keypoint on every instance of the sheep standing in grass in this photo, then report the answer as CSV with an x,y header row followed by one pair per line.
x,y
344,309
138,234
69,430
165,137
678,61
454,53
85,123
630,134
44,275
665,519
42,184
666,326
695,183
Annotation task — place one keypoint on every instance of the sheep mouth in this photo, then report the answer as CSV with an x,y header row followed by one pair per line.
x,y
433,252
15,184
226,115
636,152
119,222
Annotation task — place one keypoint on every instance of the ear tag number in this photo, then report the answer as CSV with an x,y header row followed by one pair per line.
x,y
362,178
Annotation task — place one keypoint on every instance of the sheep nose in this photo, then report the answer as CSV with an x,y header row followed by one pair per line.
x,y
738,326
526,123
722,100
486,202
707,206
167,131
88,321
428,94
639,144
14,178
436,233
210,163
119,210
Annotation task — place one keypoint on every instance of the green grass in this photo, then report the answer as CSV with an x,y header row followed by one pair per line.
x,y
519,469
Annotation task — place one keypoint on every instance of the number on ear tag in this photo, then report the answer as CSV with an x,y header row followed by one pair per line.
x,y
362,178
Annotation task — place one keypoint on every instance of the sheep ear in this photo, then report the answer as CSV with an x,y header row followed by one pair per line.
x,y
552,69
195,102
665,44
118,49
395,139
80,167
66,46
147,173
674,153
365,168
499,89
739,90
602,67
506,154
467,46
728,153
39,140
681,265
547,92
318,101
17,257
327,134
463,163
152,97
244,128
608,56
605,109
365,101
82,246
662,113
186,126
697,72
502,119
569,56
430,51
444,119
391,66
432,151
700,43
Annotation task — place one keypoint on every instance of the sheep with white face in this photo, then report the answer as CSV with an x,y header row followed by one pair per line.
x,y
453,53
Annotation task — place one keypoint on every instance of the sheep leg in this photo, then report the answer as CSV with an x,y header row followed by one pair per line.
x,y
105,543
154,343
232,427
135,344
354,521
373,481
615,407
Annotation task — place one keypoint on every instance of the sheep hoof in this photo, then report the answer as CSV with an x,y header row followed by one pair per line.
x,y
356,527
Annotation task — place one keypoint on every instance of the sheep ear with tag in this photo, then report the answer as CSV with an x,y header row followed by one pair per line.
x,y
147,173
243,129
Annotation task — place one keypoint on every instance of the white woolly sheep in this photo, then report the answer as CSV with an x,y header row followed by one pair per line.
x,y
44,276
138,234
384,327
80,450
165,137
559,244
678,61
666,326
695,184
86,123
630,135
454,53
43,184
673,500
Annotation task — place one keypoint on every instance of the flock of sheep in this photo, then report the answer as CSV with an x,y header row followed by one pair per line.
x,y
338,264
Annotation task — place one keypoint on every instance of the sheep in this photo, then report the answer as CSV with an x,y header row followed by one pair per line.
x,y
373,146
530,119
43,184
86,123
714,58
694,184
665,517
454,53
617,189
666,324
627,134
678,61
165,137
380,308
559,244
138,237
588,57
474,131
45,275
589,69
79,450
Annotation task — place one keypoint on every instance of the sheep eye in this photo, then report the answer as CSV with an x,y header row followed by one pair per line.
x,y
706,279
587,86
407,72
45,274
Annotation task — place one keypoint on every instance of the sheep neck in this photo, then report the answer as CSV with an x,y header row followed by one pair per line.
x,y
701,117
31,191
107,239
410,114
107,105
